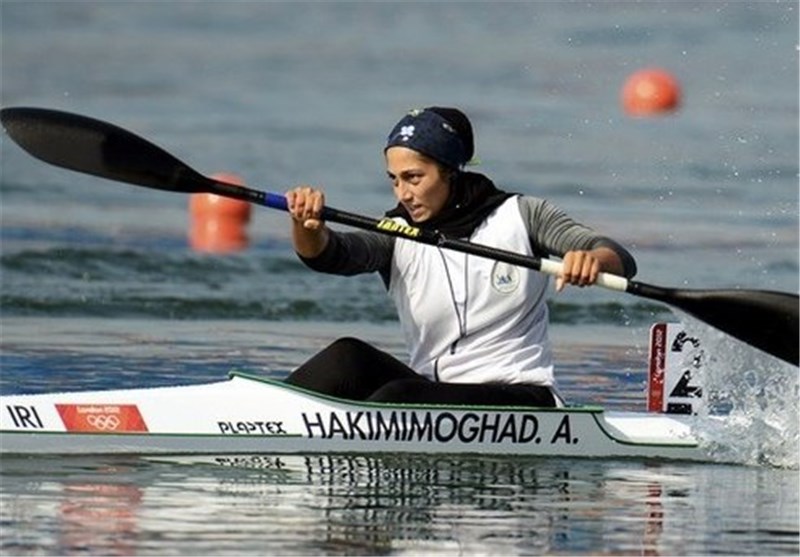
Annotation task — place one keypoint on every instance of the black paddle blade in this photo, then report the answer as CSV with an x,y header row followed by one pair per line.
x,y
764,319
99,148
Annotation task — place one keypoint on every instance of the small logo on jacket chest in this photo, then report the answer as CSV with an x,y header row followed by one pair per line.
x,y
505,277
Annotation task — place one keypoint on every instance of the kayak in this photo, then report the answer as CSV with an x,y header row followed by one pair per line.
x,y
247,414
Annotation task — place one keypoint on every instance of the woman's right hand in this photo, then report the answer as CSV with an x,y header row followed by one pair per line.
x,y
309,233
305,206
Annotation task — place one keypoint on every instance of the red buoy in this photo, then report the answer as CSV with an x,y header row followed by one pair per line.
x,y
219,224
650,91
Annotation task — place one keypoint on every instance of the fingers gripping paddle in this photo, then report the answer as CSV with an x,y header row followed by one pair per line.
x,y
764,319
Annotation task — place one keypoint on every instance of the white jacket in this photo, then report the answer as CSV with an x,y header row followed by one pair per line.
x,y
469,319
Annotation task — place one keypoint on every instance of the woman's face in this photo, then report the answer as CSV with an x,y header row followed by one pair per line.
x,y
418,183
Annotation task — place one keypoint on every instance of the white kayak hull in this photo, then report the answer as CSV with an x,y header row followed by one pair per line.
x,y
247,414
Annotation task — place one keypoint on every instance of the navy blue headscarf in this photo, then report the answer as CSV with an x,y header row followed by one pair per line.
x,y
430,132
445,135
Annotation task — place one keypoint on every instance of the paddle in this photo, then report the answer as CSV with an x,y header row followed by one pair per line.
x,y
767,320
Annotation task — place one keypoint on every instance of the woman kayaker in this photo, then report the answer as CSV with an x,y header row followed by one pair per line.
x,y
476,329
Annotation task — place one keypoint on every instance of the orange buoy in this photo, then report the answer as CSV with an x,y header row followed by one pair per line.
x,y
650,91
219,224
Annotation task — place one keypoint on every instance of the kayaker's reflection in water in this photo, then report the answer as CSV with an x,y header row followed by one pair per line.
x,y
476,328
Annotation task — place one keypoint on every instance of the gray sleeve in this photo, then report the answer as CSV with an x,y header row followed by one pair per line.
x,y
553,232
354,253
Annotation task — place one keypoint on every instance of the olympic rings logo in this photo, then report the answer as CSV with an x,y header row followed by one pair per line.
x,y
105,422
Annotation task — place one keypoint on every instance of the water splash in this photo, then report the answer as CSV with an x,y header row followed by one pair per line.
x,y
756,393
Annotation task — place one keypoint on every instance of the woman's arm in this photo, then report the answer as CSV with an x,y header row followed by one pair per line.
x,y
328,251
585,253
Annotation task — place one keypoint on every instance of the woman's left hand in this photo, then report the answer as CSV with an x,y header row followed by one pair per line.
x,y
581,268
